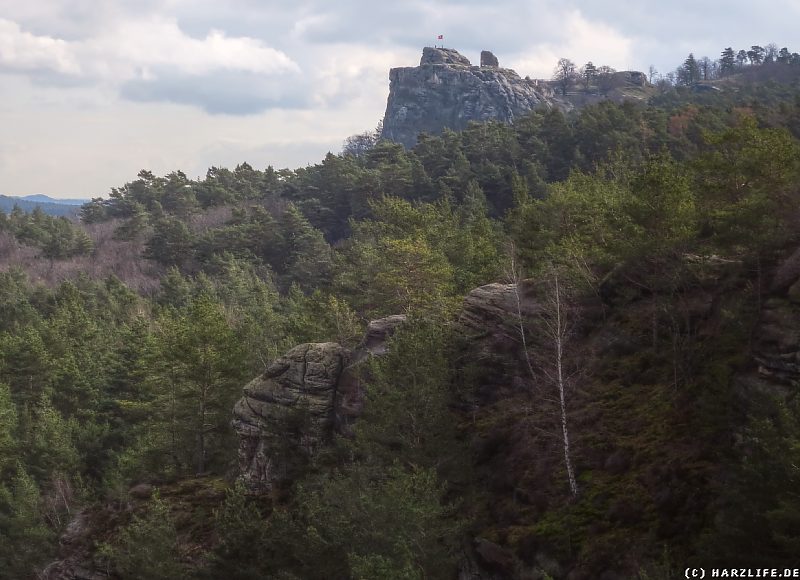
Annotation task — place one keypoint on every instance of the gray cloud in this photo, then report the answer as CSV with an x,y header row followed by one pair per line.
x,y
222,92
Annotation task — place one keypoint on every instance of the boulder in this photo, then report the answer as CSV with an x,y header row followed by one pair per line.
x,y
443,56
489,59
290,406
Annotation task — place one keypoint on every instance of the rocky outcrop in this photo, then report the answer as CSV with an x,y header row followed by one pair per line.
x,y
446,91
495,309
293,397
776,339
442,56
315,390
488,59
302,397
489,326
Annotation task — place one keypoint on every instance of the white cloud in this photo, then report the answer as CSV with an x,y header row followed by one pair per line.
x,y
156,42
152,59
346,73
23,51
581,41
128,49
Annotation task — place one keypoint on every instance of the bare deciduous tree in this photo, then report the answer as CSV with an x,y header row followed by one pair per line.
x,y
564,74
514,275
556,320
558,324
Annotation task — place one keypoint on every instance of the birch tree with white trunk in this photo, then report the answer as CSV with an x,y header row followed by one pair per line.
x,y
556,320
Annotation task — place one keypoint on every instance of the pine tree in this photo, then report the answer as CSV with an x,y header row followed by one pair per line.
x,y
689,73
727,63
197,364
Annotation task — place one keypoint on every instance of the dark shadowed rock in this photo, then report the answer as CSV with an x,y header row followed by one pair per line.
x,y
488,59
350,388
292,402
489,325
495,309
445,91
375,340
494,556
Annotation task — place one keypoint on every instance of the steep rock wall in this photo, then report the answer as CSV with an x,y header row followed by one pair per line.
x,y
446,91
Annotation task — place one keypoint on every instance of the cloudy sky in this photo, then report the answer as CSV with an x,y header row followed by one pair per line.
x,y
91,92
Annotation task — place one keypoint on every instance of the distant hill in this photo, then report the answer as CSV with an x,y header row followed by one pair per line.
x,y
41,198
50,206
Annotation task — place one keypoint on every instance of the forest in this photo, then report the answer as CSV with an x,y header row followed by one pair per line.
x,y
657,236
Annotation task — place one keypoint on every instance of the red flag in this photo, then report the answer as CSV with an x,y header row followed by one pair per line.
x,y
440,37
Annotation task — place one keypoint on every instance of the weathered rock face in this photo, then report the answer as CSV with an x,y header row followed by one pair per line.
x,y
489,323
445,90
293,398
495,308
632,77
299,401
776,340
488,59
350,390
442,56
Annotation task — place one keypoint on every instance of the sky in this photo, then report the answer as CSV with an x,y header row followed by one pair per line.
x,y
92,92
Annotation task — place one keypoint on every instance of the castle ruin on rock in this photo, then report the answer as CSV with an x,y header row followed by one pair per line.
x,y
447,91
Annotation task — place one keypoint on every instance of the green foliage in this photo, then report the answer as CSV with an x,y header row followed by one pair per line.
x,y
749,177
319,317
26,539
8,425
15,301
171,242
241,528
147,548
392,521
195,365
583,221
406,415
57,237
418,258
49,445
307,258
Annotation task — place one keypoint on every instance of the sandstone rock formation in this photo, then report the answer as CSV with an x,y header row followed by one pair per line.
x,y
488,59
299,401
442,56
493,308
489,324
315,390
445,90
293,397
776,340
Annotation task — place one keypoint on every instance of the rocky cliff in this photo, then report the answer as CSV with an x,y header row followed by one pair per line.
x,y
446,91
